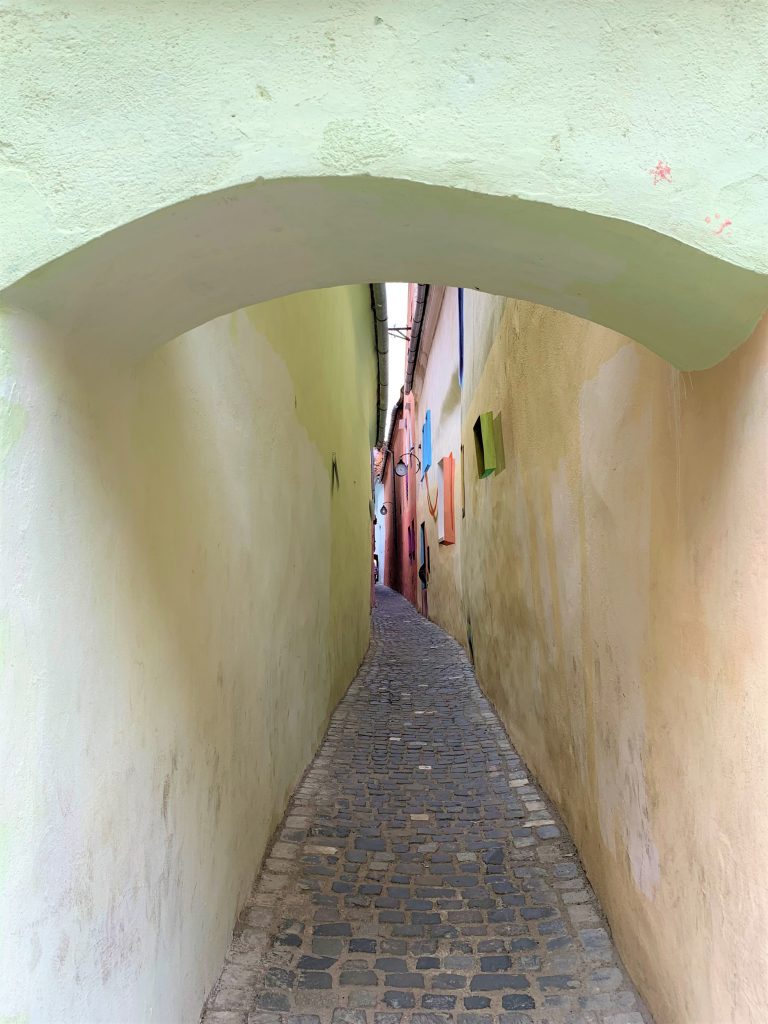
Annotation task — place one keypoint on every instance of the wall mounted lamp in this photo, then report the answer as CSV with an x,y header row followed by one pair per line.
x,y
401,469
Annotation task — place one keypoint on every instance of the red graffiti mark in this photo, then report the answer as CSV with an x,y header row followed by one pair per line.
x,y
720,227
661,172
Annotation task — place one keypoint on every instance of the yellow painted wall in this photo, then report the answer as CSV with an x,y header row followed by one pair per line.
x,y
183,602
615,573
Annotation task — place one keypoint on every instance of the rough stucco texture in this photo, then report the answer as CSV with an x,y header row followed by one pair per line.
x,y
615,577
113,111
219,154
183,601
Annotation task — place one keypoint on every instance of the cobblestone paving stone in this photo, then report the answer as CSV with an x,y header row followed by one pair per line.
x,y
420,876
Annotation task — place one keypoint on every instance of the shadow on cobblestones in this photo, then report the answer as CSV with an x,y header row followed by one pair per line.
x,y
419,876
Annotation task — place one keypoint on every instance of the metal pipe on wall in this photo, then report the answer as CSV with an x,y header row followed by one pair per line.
x,y
381,330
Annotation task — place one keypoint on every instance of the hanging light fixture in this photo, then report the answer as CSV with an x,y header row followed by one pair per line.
x,y
401,469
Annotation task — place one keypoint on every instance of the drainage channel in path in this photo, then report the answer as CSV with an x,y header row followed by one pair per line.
x,y
420,876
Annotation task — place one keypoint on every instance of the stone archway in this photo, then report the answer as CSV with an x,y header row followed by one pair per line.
x,y
165,273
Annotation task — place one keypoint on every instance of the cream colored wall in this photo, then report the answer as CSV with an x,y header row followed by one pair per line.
x,y
183,601
440,392
615,573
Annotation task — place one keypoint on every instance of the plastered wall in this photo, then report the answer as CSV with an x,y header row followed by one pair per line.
x,y
440,393
181,160
183,599
615,573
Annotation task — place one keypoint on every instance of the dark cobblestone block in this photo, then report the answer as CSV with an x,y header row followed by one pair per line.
x,y
448,981
504,914
407,980
476,1002
459,961
430,1001
370,844
535,913
495,963
315,980
272,1001
362,945
336,928
279,977
361,978
558,981
397,946
498,982
391,963
518,1001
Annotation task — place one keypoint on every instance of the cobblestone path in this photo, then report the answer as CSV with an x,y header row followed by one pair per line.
x,y
419,876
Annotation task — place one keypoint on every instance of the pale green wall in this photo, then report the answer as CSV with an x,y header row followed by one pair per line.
x,y
182,602
185,160
112,112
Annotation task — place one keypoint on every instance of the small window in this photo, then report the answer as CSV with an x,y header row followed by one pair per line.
x,y
446,525
485,445
426,443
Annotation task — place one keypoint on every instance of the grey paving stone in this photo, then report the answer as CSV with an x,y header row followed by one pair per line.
x,y
401,895
361,978
359,997
434,1001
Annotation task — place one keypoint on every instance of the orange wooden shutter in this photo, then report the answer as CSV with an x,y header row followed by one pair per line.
x,y
450,519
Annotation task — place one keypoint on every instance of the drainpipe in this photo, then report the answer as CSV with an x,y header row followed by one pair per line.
x,y
380,326
398,576
422,290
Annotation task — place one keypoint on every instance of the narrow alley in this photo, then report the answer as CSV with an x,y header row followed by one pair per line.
x,y
383,512
419,874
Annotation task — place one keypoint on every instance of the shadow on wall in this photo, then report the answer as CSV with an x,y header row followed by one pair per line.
x,y
615,581
183,595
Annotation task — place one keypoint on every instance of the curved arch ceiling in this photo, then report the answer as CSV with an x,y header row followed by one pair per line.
x,y
163,163
147,282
